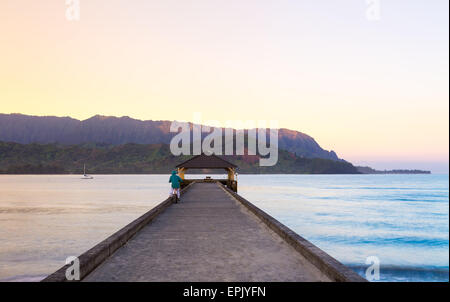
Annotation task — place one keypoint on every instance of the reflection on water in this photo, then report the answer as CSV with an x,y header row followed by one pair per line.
x,y
401,219
45,219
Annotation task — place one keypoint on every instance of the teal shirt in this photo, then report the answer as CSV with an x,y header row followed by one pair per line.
x,y
175,180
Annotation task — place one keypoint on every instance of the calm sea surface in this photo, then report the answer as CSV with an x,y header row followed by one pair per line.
x,y
403,220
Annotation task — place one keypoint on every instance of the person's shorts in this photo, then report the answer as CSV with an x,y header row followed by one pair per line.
x,y
173,191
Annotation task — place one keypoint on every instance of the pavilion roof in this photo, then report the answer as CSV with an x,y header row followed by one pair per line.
x,y
204,161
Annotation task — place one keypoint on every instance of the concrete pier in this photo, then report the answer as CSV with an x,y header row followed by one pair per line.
x,y
208,236
213,234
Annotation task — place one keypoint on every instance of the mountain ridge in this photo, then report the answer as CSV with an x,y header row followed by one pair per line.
x,y
26,129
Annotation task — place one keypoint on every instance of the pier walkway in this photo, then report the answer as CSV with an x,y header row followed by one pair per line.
x,y
213,234
208,236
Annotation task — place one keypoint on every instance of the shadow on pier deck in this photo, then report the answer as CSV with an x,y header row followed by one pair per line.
x,y
213,234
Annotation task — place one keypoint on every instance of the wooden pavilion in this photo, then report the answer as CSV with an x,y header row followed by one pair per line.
x,y
204,161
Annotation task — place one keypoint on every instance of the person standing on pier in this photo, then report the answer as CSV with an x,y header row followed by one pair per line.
x,y
176,181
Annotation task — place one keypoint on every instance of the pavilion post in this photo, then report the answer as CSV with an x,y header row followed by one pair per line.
x,y
181,172
231,173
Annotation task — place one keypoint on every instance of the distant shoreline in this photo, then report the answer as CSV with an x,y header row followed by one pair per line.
x,y
38,159
192,174
368,170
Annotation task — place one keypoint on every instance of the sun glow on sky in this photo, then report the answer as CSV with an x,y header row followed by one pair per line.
x,y
370,90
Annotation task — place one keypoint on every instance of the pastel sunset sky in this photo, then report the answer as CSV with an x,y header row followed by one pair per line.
x,y
376,92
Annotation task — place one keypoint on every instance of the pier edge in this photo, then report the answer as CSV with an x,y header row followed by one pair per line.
x,y
319,258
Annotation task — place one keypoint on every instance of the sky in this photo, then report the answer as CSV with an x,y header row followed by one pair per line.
x,y
374,91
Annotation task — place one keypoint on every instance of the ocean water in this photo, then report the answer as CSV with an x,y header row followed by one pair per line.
x,y
402,220
45,219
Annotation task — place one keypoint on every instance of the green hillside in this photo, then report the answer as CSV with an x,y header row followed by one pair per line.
x,y
140,159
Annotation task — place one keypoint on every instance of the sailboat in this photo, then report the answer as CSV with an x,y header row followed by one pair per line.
x,y
85,176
